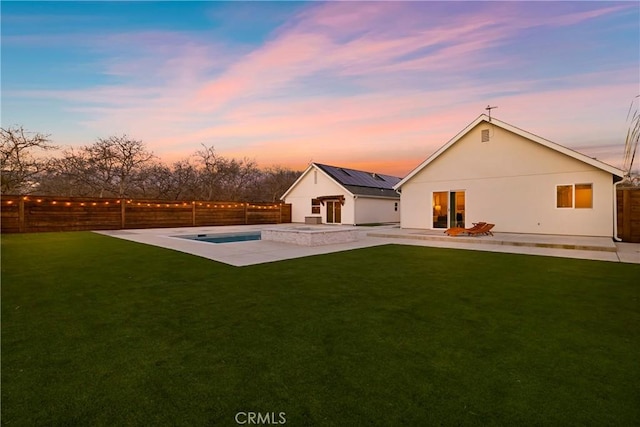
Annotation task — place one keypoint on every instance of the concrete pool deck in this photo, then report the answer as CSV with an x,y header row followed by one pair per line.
x,y
261,251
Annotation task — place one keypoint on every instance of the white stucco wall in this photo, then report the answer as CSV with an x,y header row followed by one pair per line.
x,y
370,210
511,182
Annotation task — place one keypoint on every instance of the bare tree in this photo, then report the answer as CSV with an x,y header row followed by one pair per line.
x,y
20,165
277,180
239,179
69,175
122,167
632,138
211,171
155,181
184,176
115,161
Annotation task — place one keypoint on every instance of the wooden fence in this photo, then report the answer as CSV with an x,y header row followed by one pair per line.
x,y
628,200
23,214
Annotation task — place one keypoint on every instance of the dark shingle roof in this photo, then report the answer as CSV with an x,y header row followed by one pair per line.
x,y
363,183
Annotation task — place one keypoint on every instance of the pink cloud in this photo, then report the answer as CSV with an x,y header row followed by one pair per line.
x,y
185,92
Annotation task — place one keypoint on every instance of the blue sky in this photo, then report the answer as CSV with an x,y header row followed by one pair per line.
x,y
372,85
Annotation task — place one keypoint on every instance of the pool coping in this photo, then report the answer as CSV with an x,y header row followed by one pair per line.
x,y
246,253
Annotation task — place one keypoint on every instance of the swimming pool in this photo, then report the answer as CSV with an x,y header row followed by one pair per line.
x,y
225,237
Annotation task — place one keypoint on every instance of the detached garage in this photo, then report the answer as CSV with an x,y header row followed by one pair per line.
x,y
335,195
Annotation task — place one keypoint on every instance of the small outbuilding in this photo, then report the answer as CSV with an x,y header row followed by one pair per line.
x,y
334,195
497,173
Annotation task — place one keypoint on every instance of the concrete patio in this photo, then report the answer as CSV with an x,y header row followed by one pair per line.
x,y
257,252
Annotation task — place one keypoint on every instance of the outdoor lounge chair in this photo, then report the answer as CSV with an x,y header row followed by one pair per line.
x,y
482,230
454,231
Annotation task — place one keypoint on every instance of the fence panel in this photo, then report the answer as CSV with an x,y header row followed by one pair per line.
x,y
220,213
46,213
156,214
10,214
628,203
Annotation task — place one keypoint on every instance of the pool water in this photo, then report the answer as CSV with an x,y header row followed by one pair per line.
x,y
225,237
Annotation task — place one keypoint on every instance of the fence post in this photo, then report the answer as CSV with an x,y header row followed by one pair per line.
x,y
21,215
193,213
280,212
246,213
123,207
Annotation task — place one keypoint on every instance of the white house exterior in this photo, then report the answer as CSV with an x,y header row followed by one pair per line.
x,y
522,183
335,195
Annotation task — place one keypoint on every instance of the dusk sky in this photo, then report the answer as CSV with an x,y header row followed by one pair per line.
x,y
368,85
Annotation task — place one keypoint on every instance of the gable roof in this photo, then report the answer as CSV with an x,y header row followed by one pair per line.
x,y
356,182
523,133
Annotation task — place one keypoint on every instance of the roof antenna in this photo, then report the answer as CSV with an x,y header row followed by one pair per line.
x,y
489,108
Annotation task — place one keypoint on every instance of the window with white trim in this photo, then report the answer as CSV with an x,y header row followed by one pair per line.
x,y
315,206
578,196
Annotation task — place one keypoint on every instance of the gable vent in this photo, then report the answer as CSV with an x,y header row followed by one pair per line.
x,y
485,135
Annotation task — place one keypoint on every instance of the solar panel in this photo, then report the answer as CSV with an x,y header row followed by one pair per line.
x,y
360,178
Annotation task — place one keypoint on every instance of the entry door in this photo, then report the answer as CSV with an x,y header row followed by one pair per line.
x,y
448,209
334,213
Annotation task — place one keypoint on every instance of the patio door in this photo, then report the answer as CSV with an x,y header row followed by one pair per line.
x,y
448,209
334,212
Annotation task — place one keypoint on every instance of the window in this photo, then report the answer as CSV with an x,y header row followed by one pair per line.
x,y
584,196
579,196
315,206
564,197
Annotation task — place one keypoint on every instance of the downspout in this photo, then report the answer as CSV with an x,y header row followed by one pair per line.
x,y
615,210
354,209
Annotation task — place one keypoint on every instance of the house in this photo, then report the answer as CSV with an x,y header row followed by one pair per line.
x,y
334,195
495,172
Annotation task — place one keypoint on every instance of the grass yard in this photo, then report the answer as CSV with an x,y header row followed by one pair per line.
x,y
101,331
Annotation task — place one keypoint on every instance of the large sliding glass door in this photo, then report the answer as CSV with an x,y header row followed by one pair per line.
x,y
448,209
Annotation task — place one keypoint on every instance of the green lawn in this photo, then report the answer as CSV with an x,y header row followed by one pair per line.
x,y
101,331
